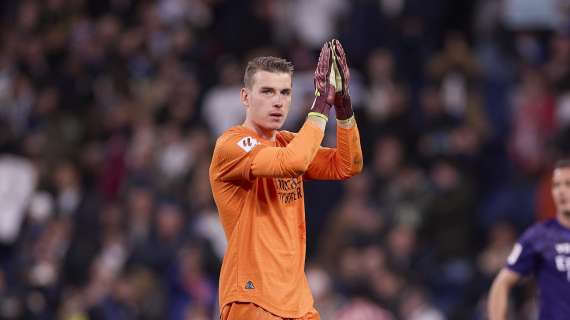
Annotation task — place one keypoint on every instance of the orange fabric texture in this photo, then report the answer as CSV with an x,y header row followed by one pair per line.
x,y
250,311
257,185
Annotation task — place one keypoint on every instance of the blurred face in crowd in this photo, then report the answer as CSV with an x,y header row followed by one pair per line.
x,y
561,193
169,222
65,176
267,100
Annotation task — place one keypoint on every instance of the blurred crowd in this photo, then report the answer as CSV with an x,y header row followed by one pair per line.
x,y
109,110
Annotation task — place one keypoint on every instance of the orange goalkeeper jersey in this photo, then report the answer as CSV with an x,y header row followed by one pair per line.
x,y
257,185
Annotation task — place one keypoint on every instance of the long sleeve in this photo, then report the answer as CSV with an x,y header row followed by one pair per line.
x,y
290,161
341,162
239,156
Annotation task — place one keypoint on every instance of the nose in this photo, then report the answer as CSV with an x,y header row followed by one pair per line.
x,y
278,101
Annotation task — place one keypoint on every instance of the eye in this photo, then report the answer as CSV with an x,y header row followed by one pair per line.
x,y
286,92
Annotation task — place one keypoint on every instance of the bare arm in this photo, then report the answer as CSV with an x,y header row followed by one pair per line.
x,y
499,294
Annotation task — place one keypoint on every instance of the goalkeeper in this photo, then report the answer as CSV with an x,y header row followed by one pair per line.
x,y
257,174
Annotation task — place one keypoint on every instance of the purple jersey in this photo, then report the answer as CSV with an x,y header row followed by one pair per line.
x,y
544,251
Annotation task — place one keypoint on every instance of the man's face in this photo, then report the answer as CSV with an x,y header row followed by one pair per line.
x,y
561,190
268,100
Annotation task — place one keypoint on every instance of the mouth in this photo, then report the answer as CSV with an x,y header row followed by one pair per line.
x,y
276,115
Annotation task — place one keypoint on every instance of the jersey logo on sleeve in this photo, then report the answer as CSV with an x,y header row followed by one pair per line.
x,y
514,256
247,143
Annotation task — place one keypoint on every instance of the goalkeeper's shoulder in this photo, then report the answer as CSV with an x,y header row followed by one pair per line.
x,y
236,141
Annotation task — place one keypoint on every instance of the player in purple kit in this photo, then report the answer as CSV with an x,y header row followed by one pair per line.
x,y
542,251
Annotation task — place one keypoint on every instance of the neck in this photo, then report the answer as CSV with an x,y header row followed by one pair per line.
x,y
268,134
564,219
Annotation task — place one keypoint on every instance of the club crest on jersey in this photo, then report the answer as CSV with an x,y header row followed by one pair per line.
x,y
249,285
247,143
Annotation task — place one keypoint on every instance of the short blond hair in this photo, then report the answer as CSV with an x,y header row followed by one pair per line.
x,y
270,64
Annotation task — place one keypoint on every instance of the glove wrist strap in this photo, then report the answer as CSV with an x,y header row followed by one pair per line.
x,y
320,115
346,123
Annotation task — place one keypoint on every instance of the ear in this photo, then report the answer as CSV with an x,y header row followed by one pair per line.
x,y
244,97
